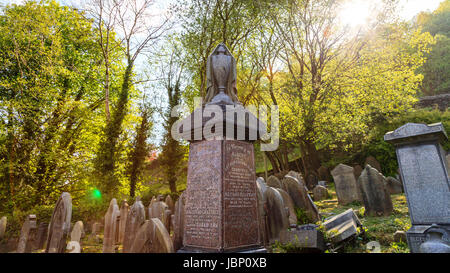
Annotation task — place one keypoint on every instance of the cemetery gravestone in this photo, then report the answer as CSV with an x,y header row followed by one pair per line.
x,y
347,189
59,227
305,237
123,219
135,218
109,233
299,194
41,235
376,198
152,237
290,205
169,202
77,232
277,214
423,169
2,226
274,182
27,235
320,193
178,222
393,185
311,181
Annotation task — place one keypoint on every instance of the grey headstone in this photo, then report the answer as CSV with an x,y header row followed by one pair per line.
x,y
152,237
376,198
299,194
347,189
287,200
320,193
277,218
77,232
424,173
27,235
59,227
123,220
274,182
109,233
41,235
135,218
309,240
393,185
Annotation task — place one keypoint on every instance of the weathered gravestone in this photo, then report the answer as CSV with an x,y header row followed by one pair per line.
x,y
393,185
73,247
59,227
357,170
277,214
3,226
178,225
261,188
323,174
135,218
96,228
221,211
296,175
274,182
77,232
305,237
123,219
41,235
424,173
376,198
320,193
372,161
152,237
157,209
299,194
27,235
109,233
342,227
347,189
288,203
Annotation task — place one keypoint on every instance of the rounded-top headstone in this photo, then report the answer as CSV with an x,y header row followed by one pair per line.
x,y
377,200
152,237
274,182
59,227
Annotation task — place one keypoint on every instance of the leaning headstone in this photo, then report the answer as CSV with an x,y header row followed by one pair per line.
x,y
277,218
357,170
320,193
41,235
323,173
27,235
109,234
2,226
372,161
59,227
342,227
77,232
424,172
376,198
274,182
306,237
393,185
123,219
287,200
299,194
178,222
347,189
152,237
135,218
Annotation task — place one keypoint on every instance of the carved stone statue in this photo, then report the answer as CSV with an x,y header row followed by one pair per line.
x,y
221,77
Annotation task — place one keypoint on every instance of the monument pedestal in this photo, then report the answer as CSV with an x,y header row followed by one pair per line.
x,y
221,210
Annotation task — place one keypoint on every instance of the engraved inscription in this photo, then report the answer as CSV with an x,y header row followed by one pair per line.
x,y
203,198
239,196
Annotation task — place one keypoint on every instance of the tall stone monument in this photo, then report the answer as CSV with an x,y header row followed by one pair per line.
x,y
424,173
59,227
221,210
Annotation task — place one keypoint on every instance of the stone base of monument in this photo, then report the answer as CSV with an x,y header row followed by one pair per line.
x,y
221,209
417,235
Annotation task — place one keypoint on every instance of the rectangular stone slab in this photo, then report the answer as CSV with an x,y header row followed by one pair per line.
x,y
426,185
221,212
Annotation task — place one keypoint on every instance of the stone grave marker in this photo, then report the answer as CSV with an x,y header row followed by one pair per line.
x,y
376,198
311,181
123,220
323,174
77,232
169,202
27,235
178,226
152,237
423,169
300,197
277,214
287,200
109,233
320,193
347,189
135,218
3,226
306,237
41,235
59,227
274,182
393,185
